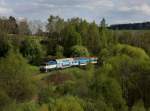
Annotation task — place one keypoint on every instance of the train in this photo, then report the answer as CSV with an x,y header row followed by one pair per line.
x,y
67,62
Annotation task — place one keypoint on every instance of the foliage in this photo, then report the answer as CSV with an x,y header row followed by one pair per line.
x,y
24,28
15,77
32,50
5,44
93,38
139,106
59,51
130,51
67,103
9,25
71,37
4,99
130,67
107,90
135,38
79,51
47,95
116,83
26,106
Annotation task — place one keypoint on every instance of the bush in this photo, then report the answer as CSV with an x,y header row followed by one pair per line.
x,y
78,51
4,99
47,95
131,51
27,106
15,76
67,103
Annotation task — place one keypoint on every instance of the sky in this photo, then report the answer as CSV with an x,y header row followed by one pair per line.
x,y
114,11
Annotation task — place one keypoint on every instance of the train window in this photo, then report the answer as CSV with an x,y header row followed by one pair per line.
x,y
52,62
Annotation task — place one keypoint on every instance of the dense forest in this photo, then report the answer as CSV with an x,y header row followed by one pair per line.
x,y
119,82
133,26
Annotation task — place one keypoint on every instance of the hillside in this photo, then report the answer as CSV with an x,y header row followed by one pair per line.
x,y
120,81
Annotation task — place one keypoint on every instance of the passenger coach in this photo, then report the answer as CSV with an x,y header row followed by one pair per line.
x,y
67,62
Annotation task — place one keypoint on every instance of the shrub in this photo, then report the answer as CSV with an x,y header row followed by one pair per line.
x,y
77,51
67,103
15,76
4,99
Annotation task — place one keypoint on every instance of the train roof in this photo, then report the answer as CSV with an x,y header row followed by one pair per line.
x,y
64,59
72,58
84,57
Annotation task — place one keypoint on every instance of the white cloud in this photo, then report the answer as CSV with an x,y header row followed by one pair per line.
x,y
95,4
5,11
112,10
89,4
143,8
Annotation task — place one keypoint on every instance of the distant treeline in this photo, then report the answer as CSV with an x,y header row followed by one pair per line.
x,y
133,26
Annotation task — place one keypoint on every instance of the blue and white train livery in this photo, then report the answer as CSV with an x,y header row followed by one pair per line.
x,y
67,62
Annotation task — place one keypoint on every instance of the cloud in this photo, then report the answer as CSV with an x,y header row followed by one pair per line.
x,y
143,9
96,5
112,10
85,4
4,9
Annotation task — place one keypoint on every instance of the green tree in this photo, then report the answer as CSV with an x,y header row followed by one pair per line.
x,y
55,24
9,25
135,38
16,80
79,51
59,51
83,30
32,50
13,26
103,23
107,90
5,44
104,34
24,28
70,38
93,39
130,67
